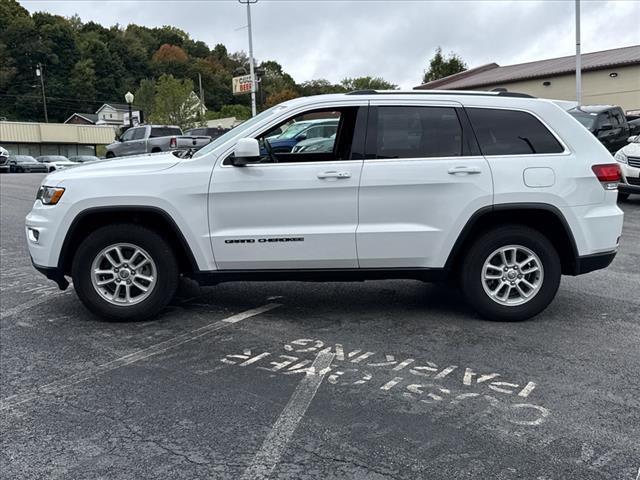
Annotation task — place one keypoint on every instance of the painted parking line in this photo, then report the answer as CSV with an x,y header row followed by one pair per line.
x,y
276,442
27,305
56,386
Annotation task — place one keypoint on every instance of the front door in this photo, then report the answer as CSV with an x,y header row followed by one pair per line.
x,y
291,210
422,178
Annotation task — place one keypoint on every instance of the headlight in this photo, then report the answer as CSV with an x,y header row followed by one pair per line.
x,y
621,157
49,195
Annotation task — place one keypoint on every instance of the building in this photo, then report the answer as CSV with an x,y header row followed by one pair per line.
x,y
82,119
27,138
114,114
608,77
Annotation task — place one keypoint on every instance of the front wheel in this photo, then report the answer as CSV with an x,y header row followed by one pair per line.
x,y
511,273
125,272
110,155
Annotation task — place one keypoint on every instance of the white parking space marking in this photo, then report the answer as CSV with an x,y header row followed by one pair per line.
x,y
276,442
54,387
26,305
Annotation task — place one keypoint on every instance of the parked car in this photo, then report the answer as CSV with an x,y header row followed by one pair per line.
x,y
84,159
606,122
634,125
304,130
152,139
315,145
211,132
4,160
55,162
629,159
501,191
25,164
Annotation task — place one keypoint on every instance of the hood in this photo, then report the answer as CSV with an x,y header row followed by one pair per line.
x,y
632,149
133,165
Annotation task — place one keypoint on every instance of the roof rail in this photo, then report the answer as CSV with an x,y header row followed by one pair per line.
x,y
500,93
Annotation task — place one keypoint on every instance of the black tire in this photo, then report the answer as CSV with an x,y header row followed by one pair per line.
x,y
155,150
110,155
623,197
12,169
471,273
156,246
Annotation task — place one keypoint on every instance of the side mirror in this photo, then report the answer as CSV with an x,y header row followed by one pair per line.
x,y
605,126
632,139
246,151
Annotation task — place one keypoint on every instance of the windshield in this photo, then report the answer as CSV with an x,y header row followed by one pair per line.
x,y
237,131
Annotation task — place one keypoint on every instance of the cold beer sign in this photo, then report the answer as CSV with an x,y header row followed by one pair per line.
x,y
241,84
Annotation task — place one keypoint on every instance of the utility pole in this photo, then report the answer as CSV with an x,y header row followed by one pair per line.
x,y
40,73
251,68
578,58
201,109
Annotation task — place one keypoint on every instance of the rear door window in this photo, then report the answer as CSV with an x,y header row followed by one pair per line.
x,y
414,132
511,132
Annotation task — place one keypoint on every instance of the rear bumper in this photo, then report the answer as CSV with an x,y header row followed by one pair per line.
x,y
52,273
597,261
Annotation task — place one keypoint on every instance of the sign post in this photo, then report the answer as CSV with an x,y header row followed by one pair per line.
x,y
242,84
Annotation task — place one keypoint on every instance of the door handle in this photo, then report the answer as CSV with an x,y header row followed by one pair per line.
x,y
465,170
334,174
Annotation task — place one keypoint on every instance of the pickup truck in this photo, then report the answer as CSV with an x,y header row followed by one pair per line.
x,y
607,122
152,139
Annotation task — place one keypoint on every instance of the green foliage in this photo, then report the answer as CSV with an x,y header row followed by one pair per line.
x,y
367,83
86,65
145,96
175,104
241,112
440,67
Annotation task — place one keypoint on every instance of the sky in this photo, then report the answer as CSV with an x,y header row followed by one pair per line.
x,y
393,39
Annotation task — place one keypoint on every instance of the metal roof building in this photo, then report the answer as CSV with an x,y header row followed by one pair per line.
x,y
35,139
608,76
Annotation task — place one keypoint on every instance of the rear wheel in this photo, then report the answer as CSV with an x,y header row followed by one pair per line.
x,y
511,273
125,272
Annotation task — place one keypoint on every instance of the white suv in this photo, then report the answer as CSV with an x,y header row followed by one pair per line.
x,y
499,190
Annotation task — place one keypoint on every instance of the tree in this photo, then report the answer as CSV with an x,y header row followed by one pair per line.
x,y
175,103
319,87
367,83
145,96
241,112
279,97
82,84
440,67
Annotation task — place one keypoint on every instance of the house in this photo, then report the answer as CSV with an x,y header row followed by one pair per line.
x,y
113,113
82,119
608,77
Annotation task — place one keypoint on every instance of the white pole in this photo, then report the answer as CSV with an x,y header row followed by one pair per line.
x,y
251,69
578,59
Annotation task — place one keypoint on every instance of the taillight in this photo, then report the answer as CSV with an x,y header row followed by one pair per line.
x,y
608,174
173,143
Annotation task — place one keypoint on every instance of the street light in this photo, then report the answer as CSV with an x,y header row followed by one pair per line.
x,y
129,99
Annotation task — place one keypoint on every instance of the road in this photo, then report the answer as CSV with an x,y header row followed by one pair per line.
x,y
407,381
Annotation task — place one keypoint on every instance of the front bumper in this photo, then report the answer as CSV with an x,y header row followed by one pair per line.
x,y
630,182
52,273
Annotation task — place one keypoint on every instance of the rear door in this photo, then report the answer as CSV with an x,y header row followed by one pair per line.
x,y
423,177
291,210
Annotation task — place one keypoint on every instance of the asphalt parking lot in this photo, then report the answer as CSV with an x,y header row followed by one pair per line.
x,y
408,382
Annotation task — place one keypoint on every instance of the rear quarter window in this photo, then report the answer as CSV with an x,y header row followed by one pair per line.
x,y
511,132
